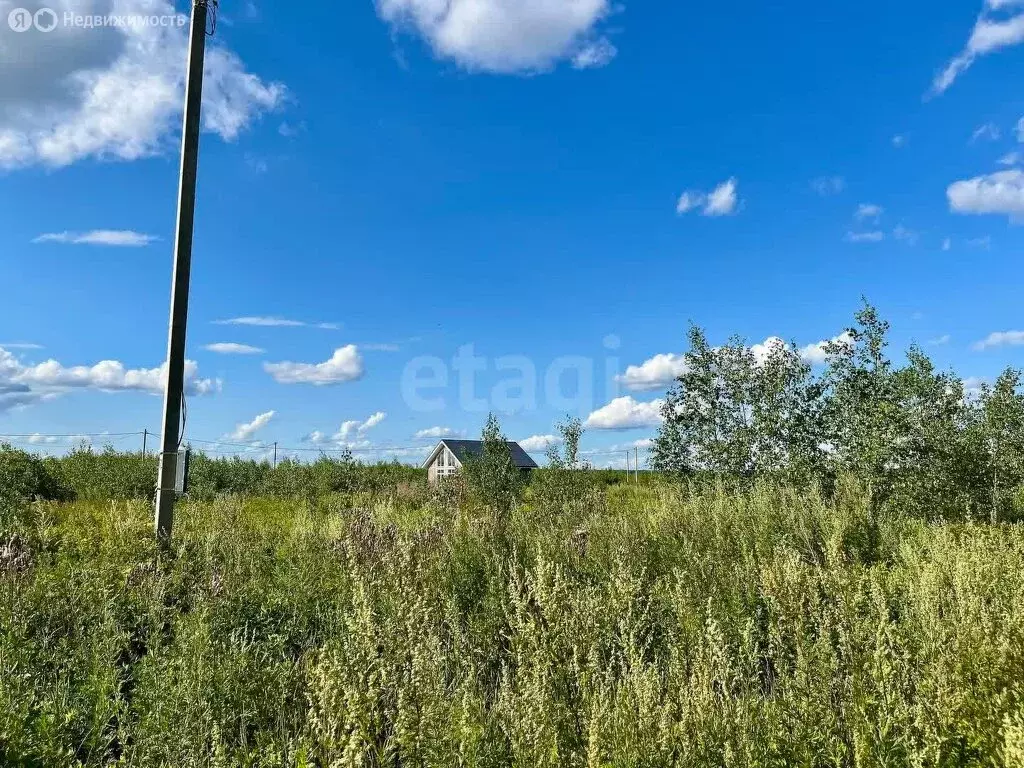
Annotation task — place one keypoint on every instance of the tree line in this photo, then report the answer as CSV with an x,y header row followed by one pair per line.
x,y
915,436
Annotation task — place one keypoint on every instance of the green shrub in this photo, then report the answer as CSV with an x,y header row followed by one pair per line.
x,y
660,626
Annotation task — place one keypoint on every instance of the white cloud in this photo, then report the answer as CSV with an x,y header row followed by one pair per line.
x,y
828,185
947,244
594,55
230,348
381,347
245,431
506,37
973,386
358,428
1011,158
868,211
113,93
656,373
262,322
626,413
980,242
38,439
660,371
764,350
539,443
346,364
865,237
114,237
815,354
316,437
1001,192
721,201
899,141
904,235
987,132
1019,130
690,200
437,433
22,384
19,345
988,36
940,341
1001,339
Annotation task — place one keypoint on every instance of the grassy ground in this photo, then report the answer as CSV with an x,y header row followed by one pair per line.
x,y
634,627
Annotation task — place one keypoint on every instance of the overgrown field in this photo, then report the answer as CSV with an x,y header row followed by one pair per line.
x,y
648,626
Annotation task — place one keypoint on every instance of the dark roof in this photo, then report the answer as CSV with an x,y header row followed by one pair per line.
x,y
467,449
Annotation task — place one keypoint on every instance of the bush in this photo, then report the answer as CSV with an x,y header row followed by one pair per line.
x,y
695,626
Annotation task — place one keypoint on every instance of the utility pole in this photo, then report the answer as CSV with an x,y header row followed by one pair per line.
x,y
174,392
145,434
636,464
275,454
627,466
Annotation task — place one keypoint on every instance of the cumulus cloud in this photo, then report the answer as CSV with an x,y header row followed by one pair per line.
x,y
1001,339
539,443
626,413
230,348
24,384
352,428
660,371
114,92
656,373
114,237
346,364
721,201
816,354
506,37
1011,158
1001,192
438,433
348,432
992,32
246,431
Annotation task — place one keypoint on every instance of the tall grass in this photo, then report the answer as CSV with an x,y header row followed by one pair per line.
x,y
640,626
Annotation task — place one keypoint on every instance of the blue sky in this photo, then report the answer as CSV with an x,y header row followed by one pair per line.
x,y
558,184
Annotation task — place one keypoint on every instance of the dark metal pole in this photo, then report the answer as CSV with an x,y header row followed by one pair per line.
x,y
170,439
145,436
